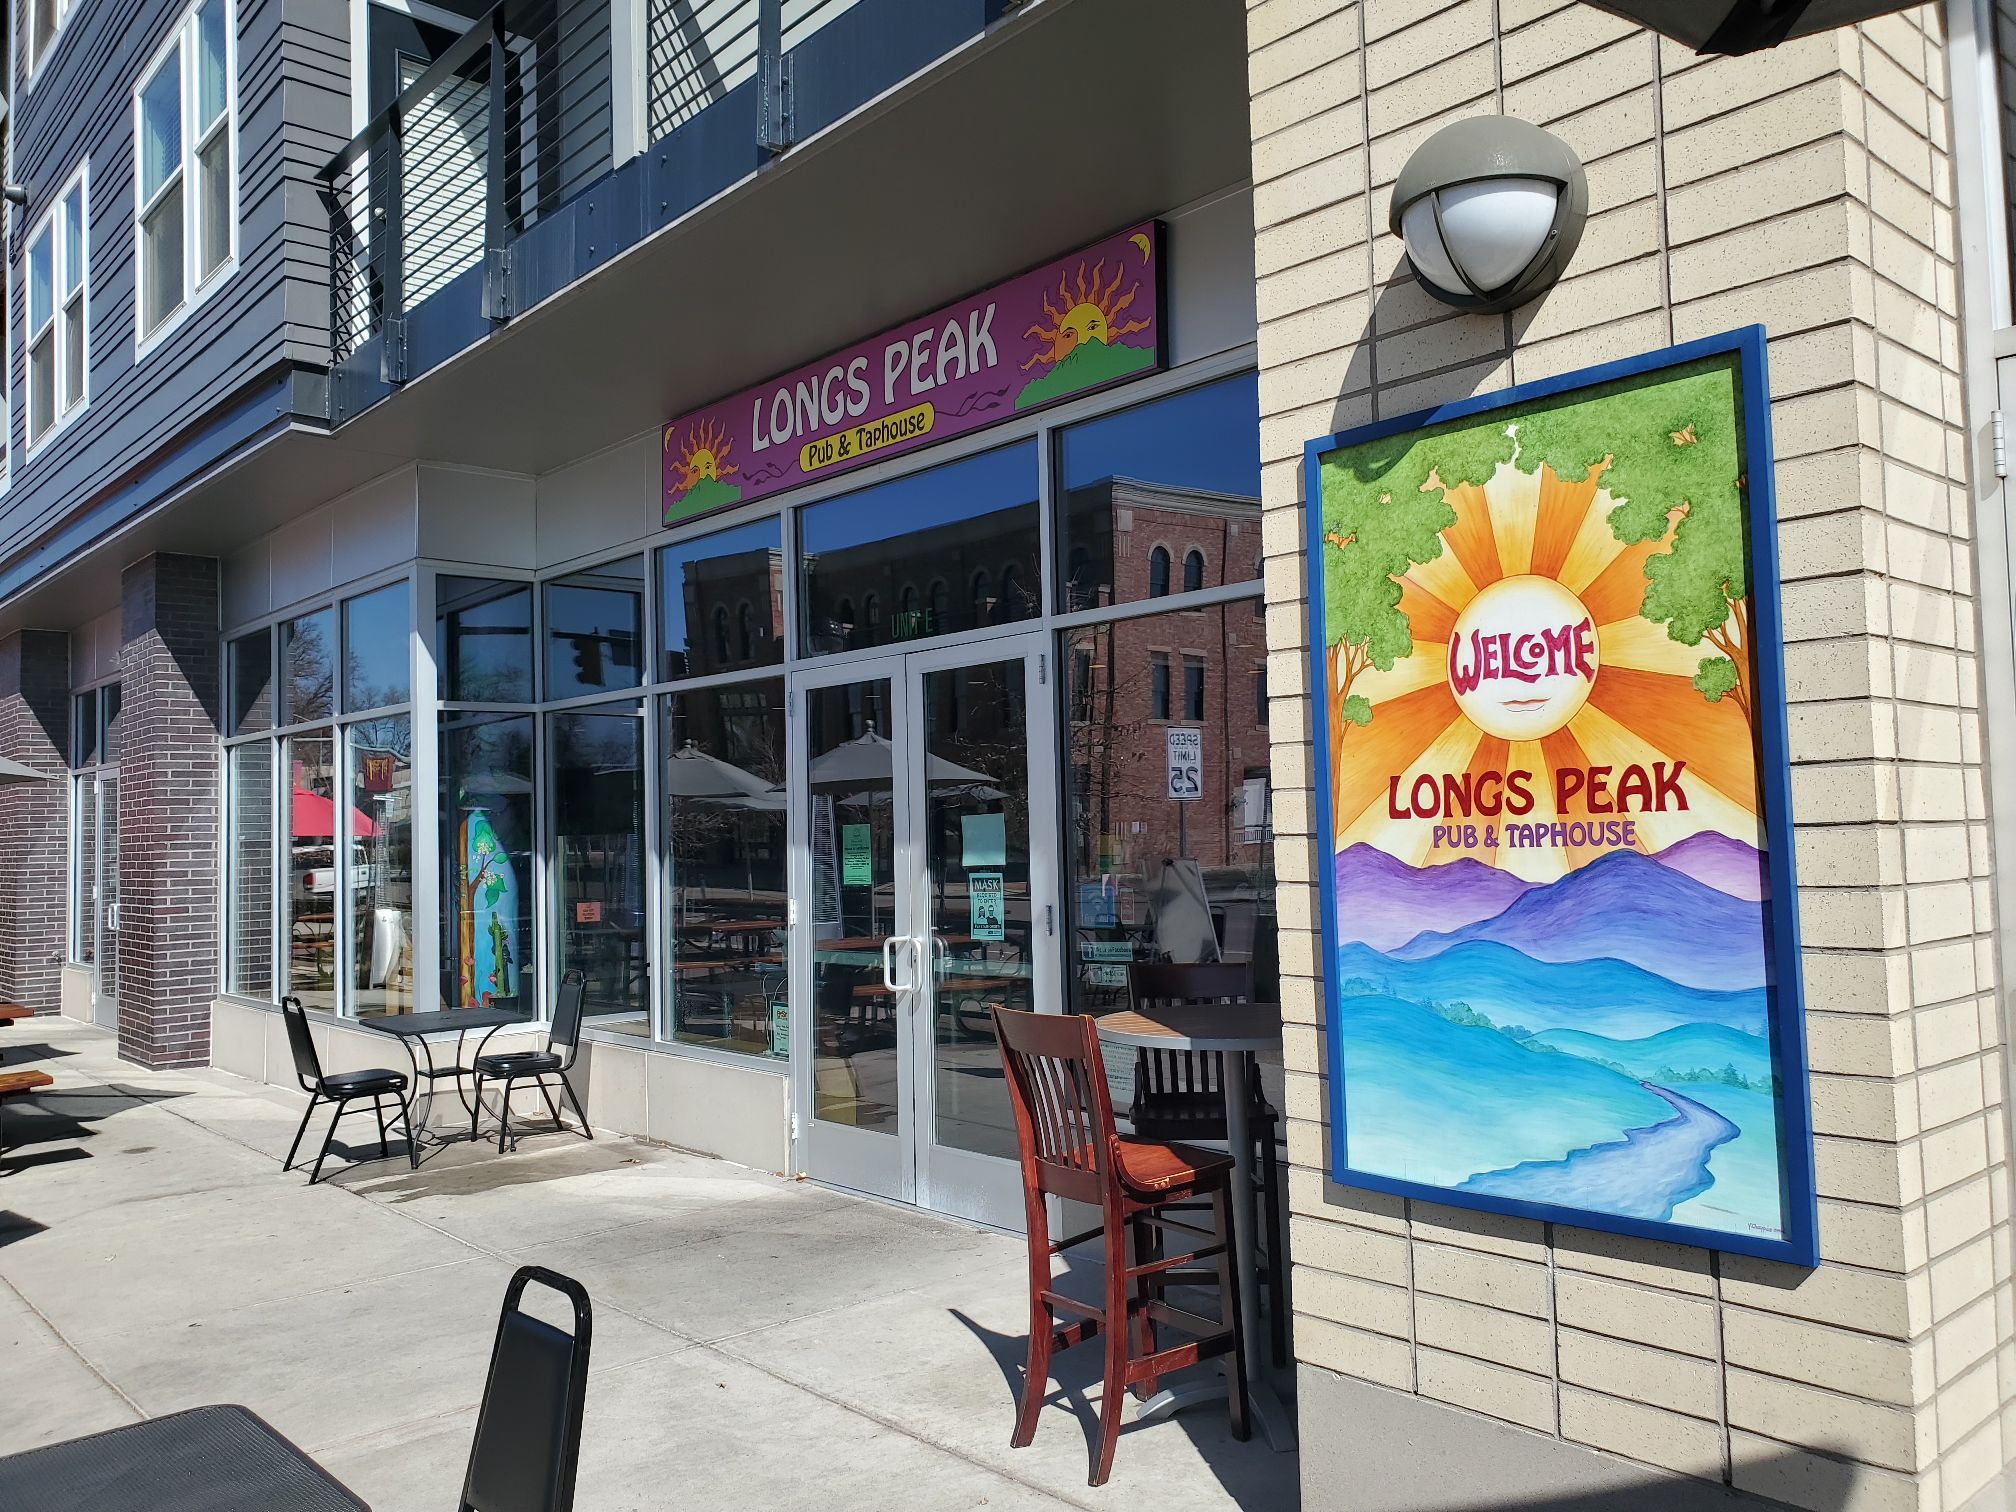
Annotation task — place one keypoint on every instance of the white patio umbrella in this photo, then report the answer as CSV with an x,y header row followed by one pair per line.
x,y
14,771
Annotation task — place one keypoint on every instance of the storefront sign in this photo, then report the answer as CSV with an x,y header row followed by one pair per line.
x,y
1552,782
1083,322
1186,765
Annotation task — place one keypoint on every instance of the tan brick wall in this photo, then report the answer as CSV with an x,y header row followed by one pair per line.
x,y
1809,189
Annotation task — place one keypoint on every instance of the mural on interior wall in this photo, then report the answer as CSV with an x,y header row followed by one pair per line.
x,y
487,915
1080,323
1554,790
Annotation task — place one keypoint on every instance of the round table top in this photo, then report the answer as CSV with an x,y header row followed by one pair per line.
x,y
1196,1026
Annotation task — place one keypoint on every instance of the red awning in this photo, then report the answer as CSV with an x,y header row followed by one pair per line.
x,y
315,818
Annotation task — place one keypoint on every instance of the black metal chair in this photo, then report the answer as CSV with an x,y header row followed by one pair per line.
x,y
528,1430
509,1066
343,1088
1179,1096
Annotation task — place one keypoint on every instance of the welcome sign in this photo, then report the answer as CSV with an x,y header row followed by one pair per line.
x,y
1074,325
1559,911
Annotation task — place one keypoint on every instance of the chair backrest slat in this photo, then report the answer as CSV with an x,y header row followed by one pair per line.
x,y
1063,1112
307,1064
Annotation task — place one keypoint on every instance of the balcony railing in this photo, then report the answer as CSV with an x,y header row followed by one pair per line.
x,y
511,122
494,135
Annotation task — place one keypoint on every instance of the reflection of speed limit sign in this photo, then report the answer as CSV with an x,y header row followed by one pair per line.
x,y
1186,765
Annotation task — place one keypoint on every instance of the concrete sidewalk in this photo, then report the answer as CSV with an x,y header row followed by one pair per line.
x,y
759,1342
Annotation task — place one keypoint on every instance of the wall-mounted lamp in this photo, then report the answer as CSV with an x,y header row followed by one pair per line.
x,y
1491,209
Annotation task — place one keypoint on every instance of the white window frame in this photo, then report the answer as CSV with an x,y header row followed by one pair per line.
x,y
34,55
180,51
51,226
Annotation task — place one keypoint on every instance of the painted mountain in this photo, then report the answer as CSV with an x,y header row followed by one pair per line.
x,y
1607,997
1383,902
1725,864
1625,907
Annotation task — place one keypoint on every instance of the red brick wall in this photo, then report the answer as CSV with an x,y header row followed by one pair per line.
x,y
168,810
34,816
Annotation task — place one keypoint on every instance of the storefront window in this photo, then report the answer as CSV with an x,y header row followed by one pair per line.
x,y
917,534
308,667
595,630
1175,480
84,869
380,782
721,777
251,678
309,927
598,860
721,602
377,648
1150,877
109,705
483,639
486,861
248,935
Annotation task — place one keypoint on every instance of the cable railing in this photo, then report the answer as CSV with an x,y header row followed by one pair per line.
x,y
513,120
508,123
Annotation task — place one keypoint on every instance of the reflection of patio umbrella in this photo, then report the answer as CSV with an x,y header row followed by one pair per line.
x,y
14,771
315,818
870,761
691,773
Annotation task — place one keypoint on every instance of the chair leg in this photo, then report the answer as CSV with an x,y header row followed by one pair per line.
x,y
1277,1257
378,1107
568,1087
1116,1328
1228,1302
412,1138
504,1116
1042,1331
1142,1251
313,1099
475,1109
551,1107
327,1139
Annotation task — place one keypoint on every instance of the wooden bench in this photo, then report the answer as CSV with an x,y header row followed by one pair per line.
x,y
22,1084
12,1011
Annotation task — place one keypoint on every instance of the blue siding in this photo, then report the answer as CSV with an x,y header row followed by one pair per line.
x,y
272,309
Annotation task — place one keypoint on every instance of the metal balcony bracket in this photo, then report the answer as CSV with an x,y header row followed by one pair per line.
x,y
392,354
775,129
498,304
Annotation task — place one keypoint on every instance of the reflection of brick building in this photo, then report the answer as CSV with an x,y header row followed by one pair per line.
x,y
1133,679
734,614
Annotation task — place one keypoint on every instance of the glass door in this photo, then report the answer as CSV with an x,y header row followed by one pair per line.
x,y
928,882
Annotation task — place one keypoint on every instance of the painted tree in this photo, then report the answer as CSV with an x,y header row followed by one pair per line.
x,y
1384,511
1671,453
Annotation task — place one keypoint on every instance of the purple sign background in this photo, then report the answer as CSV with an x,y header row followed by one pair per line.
x,y
1080,323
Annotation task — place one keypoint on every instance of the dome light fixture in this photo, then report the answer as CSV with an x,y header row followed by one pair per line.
x,y
1491,209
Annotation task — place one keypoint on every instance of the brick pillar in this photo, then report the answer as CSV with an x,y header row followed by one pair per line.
x,y
168,810
34,818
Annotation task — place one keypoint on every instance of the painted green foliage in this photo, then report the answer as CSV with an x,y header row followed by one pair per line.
x,y
1668,448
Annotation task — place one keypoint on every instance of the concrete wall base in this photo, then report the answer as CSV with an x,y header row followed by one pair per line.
x,y
736,1114
75,991
1368,1449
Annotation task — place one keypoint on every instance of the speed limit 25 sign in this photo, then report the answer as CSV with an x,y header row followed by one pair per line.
x,y
1186,765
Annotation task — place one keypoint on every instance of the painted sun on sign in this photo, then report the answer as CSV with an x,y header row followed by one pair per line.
x,y
1084,332
702,467
1552,841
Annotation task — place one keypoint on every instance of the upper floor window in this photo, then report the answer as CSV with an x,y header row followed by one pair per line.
x,y
40,23
183,173
59,349
1193,571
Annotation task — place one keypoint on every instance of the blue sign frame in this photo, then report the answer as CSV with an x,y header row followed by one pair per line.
x,y
1799,1244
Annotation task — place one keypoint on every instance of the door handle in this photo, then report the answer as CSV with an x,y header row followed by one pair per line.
x,y
889,943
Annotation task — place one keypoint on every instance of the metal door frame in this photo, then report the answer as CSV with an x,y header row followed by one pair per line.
x,y
910,1166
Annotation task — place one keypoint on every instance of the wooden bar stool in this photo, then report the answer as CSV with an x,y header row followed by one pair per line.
x,y
1071,1148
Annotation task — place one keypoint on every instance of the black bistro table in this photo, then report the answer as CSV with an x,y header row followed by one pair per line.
x,y
412,1029
208,1459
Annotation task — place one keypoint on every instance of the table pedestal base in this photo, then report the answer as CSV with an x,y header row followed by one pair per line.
x,y
1275,1422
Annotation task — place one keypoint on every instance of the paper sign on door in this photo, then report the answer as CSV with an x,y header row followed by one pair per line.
x,y
986,901
857,855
